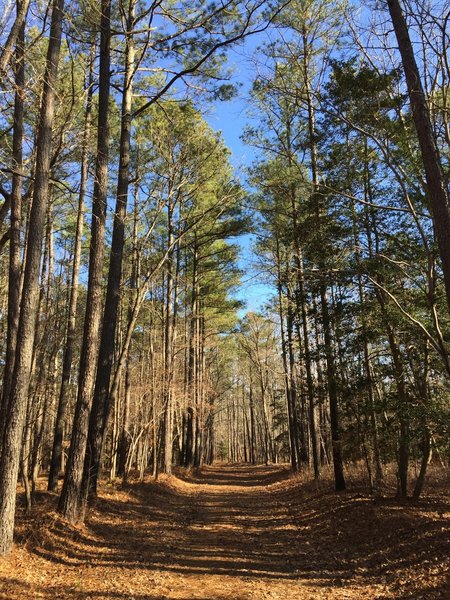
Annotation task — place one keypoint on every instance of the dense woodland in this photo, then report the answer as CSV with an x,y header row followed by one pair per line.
x,y
124,349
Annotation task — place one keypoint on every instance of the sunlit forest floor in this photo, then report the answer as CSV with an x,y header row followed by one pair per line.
x,y
234,533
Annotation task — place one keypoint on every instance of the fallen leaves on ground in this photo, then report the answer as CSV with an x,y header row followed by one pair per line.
x,y
235,533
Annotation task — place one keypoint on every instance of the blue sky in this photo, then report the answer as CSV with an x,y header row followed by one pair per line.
x,y
230,118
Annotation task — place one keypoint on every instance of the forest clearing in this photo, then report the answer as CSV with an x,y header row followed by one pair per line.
x,y
237,533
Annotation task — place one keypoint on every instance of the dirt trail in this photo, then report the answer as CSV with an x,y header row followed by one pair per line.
x,y
229,533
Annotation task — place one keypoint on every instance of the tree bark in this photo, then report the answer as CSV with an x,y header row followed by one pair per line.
x,y
9,464
329,353
101,406
57,449
167,421
14,34
124,435
71,503
436,184
15,220
332,393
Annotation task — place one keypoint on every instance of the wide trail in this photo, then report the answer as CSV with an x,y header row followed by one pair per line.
x,y
236,533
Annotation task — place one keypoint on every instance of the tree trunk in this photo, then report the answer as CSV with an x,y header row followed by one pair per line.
x,y
14,239
436,184
192,360
426,455
167,420
57,450
124,435
332,393
329,353
71,503
9,464
308,365
290,399
424,394
101,406
14,34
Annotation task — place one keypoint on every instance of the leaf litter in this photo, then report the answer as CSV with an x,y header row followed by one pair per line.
x,y
234,533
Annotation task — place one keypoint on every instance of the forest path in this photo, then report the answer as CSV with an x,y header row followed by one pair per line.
x,y
228,533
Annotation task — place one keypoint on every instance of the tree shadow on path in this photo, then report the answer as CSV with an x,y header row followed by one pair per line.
x,y
247,523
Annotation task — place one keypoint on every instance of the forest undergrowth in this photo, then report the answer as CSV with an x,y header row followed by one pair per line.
x,y
236,532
